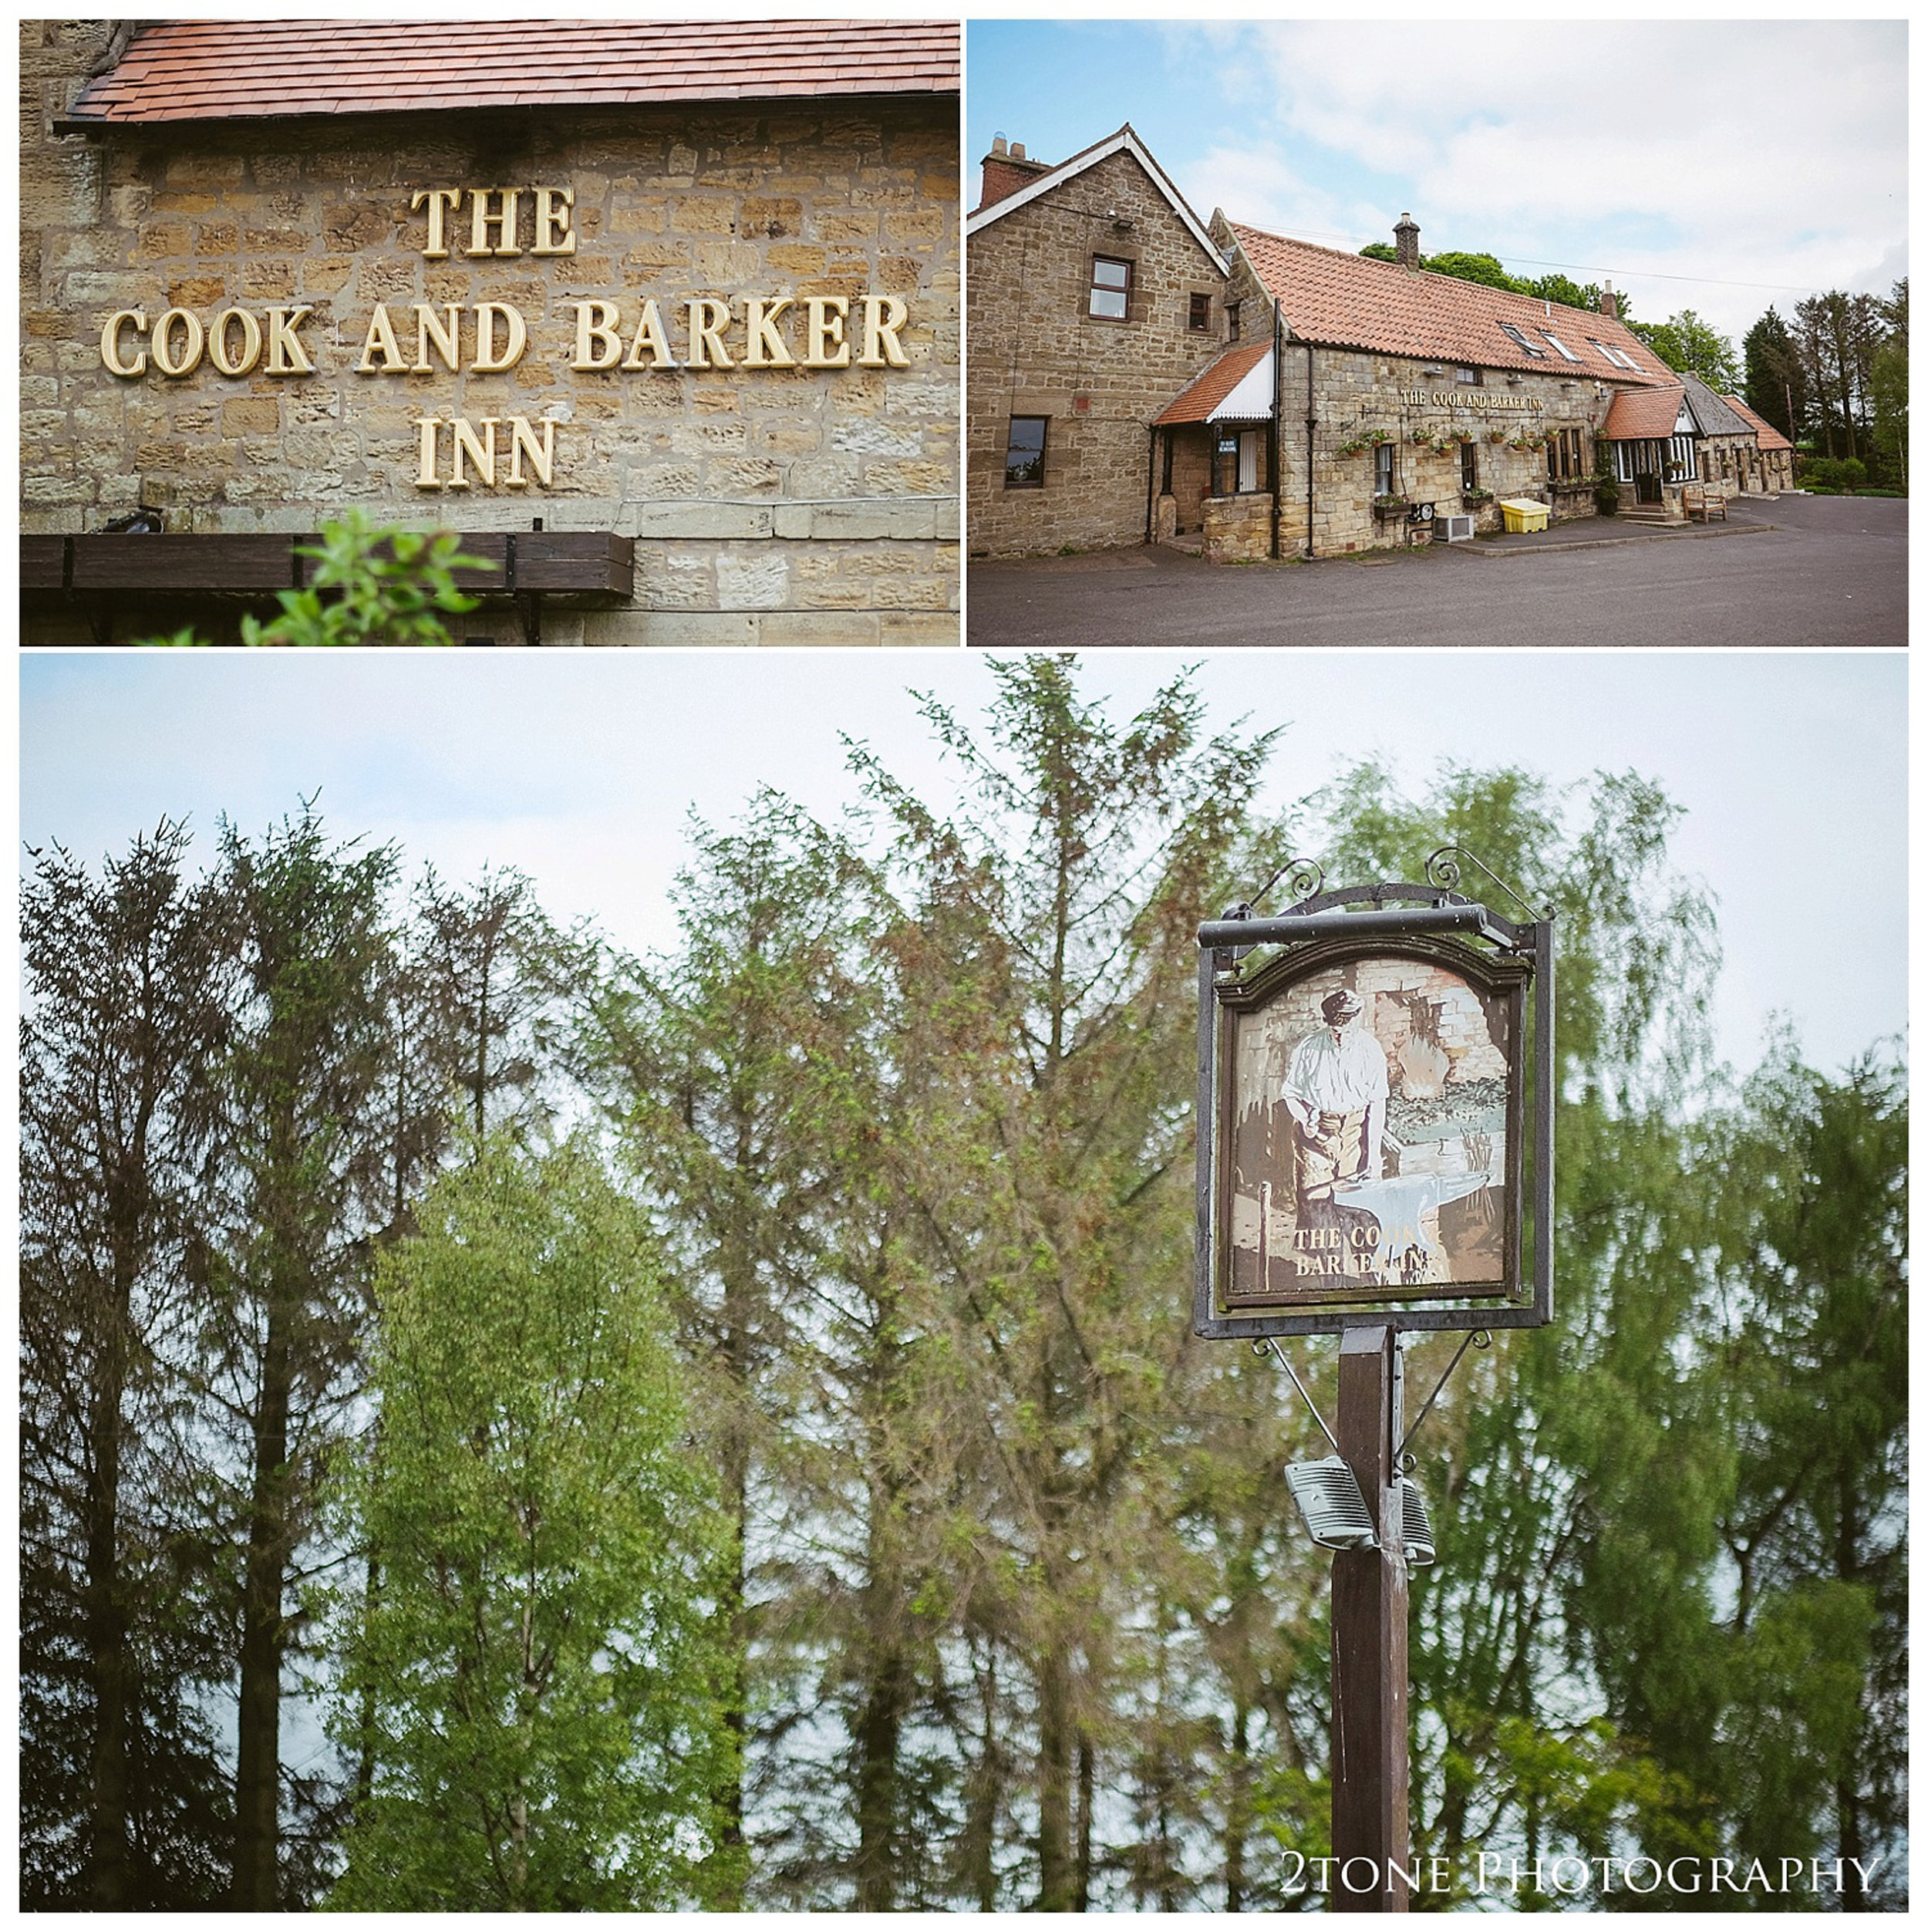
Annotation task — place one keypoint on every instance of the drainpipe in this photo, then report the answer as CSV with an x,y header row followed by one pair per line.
x,y
1151,474
1311,424
1278,405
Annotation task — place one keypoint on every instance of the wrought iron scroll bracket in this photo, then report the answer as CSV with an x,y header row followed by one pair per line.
x,y
1266,1342
1305,878
1479,1338
1443,870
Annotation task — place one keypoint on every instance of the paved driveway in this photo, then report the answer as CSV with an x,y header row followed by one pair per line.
x,y
1796,571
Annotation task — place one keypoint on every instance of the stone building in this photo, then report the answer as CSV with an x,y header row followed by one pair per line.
x,y
1771,466
1348,403
1095,293
663,317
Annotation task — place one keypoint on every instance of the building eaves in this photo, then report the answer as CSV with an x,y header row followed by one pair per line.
x,y
1125,141
225,70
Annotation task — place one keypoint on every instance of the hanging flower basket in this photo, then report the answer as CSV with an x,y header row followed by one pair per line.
x,y
1458,435
1378,435
1350,448
1496,436
1422,438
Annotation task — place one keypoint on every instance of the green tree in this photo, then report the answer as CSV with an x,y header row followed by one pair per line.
x,y
1048,983
1693,347
1557,287
723,1066
542,1658
128,975
307,1167
1888,388
1777,382
1812,1200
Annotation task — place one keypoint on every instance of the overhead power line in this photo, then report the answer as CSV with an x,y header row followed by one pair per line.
x,y
1573,267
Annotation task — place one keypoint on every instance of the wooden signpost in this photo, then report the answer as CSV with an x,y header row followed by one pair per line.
x,y
1375,1157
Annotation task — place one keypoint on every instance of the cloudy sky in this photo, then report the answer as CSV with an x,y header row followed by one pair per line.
x,y
582,768
1717,165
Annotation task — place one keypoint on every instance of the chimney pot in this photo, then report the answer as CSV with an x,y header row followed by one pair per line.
x,y
1017,151
1610,303
999,145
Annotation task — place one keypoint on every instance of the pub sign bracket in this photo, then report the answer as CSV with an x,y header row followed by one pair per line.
x,y
1375,1111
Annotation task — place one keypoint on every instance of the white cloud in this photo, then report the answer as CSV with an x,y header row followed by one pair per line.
x,y
1754,159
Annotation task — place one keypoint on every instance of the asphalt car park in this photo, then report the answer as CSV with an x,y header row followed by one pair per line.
x,y
1794,570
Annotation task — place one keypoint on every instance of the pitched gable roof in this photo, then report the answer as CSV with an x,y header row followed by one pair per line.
x,y
1716,416
1199,400
1341,301
1769,437
1125,141
1638,414
198,70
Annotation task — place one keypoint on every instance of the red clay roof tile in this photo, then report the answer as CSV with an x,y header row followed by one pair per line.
x,y
1195,402
1637,413
184,70
1345,300
1768,436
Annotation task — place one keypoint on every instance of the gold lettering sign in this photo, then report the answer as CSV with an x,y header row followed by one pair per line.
x,y
622,333
1465,398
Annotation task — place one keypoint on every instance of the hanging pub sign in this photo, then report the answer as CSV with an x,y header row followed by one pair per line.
x,y
1375,1128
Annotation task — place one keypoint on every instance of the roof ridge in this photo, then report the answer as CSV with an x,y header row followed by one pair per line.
x,y
1374,261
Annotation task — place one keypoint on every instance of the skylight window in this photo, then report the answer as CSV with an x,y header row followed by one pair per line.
x,y
1560,345
1519,337
1619,358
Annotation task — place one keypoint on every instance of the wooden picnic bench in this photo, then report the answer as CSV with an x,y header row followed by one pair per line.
x,y
1698,500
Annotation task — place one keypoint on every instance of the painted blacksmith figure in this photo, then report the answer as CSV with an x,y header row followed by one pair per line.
x,y
1335,1092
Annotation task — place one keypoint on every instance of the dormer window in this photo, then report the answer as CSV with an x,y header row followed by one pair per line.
x,y
1111,288
1519,336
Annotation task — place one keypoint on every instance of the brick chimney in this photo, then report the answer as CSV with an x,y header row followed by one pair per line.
x,y
1610,303
1405,239
1007,168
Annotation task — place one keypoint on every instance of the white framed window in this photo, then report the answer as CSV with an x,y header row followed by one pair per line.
x,y
1519,336
1618,357
1111,288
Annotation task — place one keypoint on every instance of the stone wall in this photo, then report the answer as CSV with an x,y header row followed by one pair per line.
x,y
773,502
1238,530
1037,350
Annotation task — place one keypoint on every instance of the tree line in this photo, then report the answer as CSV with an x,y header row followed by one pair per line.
x,y
508,1423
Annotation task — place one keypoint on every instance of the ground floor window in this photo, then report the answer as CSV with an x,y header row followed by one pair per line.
x,y
1469,466
1024,453
1383,469
1566,455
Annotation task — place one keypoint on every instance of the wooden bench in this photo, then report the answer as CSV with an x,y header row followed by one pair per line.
x,y
1698,500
